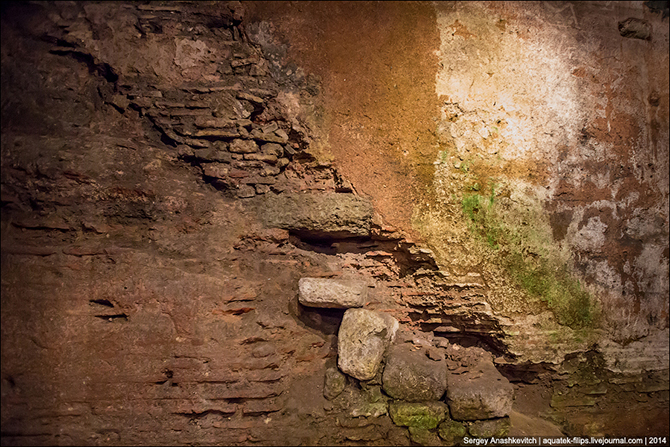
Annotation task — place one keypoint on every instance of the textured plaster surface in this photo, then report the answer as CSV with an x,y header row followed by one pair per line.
x,y
563,115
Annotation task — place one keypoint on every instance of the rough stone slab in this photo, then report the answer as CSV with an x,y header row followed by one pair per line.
x,y
272,159
243,147
204,122
318,215
246,164
273,149
269,137
410,375
261,92
249,96
332,293
363,338
222,133
480,393
426,415
218,170
245,191
269,171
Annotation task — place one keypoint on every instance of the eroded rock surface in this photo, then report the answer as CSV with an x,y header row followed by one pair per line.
x,y
363,338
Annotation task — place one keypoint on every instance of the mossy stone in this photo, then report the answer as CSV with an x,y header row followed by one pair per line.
x,y
411,376
491,427
426,415
423,436
334,383
370,409
451,431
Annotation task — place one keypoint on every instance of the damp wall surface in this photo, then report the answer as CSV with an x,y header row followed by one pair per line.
x,y
557,106
171,170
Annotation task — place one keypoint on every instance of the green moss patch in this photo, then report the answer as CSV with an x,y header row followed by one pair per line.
x,y
452,432
425,415
520,245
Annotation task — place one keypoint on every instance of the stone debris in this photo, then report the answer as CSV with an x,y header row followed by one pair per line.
x,y
434,353
332,292
479,393
417,375
363,339
411,376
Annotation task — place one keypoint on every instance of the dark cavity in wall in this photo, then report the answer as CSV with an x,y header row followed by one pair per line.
x,y
407,263
466,339
326,321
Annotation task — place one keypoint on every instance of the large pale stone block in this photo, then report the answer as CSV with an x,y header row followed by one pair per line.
x,y
332,293
363,339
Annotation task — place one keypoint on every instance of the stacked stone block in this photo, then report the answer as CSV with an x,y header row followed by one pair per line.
x,y
418,390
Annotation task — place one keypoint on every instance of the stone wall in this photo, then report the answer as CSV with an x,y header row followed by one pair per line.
x,y
171,171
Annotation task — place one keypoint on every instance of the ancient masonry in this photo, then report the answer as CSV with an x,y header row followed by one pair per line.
x,y
229,286
408,381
